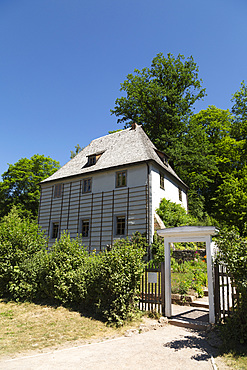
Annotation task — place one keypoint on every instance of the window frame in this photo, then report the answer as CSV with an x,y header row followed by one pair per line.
x,y
117,225
162,181
86,220
92,160
85,185
55,226
119,184
180,194
58,190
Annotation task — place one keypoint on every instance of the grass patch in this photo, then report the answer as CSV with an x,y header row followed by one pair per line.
x,y
236,361
28,326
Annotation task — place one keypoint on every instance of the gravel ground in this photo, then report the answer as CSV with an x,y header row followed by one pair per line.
x,y
167,347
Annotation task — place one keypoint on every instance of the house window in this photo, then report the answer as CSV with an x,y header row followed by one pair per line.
x,y
85,228
91,160
180,194
58,191
121,179
87,186
55,230
162,181
120,225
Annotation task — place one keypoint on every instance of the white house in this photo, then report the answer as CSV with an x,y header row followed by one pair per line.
x,y
109,190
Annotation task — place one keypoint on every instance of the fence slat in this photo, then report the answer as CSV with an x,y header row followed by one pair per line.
x,y
225,293
152,293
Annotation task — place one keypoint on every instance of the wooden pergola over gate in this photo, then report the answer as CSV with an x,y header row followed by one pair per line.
x,y
189,234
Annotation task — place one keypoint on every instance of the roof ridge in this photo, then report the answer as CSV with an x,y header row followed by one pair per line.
x,y
121,148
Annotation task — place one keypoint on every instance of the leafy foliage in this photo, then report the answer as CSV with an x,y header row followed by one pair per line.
x,y
160,97
63,273
114,286
233,253
189,275
230,201
20,185
173,214
239,110
106,283
19,240
208,149
78,149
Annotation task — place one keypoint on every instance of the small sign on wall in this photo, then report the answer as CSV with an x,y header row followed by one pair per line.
x,y
152,277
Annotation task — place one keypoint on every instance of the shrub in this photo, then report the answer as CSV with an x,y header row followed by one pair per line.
x,y
62,275
157,248
66,274
232,252
115,279
189,275
173,214
19,240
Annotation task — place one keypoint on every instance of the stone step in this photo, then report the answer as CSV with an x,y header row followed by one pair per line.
x,y
196,325
200,303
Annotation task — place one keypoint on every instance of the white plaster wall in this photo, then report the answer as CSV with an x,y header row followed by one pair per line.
x,y
170,192
106,181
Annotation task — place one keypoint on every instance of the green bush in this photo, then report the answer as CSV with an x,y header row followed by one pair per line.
x,y
189,275
19,240
62,276
26,277
66,274
157,248
115,283
57,275
232,252
173,214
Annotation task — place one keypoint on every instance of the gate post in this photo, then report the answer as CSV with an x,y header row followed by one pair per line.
x,y
216,292
168,291
209,253
162,276
184,234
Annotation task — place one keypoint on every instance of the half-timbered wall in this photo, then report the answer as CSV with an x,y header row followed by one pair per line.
x,y
136,202
101,209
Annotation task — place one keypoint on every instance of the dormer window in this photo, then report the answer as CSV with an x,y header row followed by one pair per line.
x,y
91,160
162,156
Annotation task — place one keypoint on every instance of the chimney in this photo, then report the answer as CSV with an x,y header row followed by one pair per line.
x,y
133,125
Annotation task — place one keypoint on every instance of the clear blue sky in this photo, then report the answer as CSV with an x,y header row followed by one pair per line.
x,y
62,62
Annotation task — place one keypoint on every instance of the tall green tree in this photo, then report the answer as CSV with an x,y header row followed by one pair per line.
x,y
225,191
161,98
239,110
199,156
230,201
20,184
78,148
194,162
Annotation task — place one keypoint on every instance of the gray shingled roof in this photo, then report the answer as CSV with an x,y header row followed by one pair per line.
x,y
118,149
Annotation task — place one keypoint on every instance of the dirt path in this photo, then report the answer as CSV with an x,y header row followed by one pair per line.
x,y
167,347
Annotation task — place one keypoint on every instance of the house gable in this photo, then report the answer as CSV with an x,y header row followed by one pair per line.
x,y
109,190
